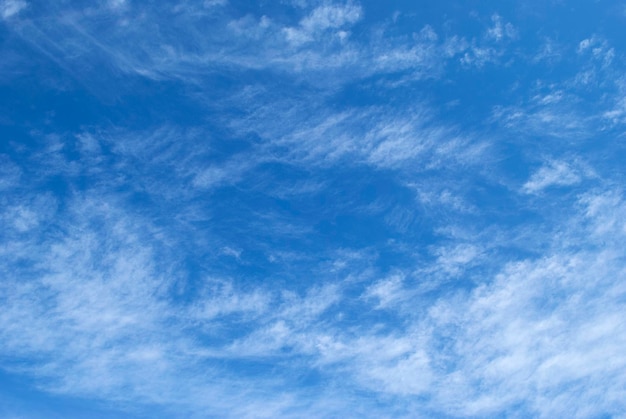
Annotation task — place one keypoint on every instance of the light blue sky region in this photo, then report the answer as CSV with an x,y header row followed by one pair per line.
x,y
298,208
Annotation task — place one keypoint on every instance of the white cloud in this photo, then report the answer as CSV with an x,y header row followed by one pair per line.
x,y
321,19
248,42
452,260
214,3
212,176
554,173
598,49
102,299
10,173
330,17
550,52
501,30
605,211
10,8
585,44
23,219
101,319
541,327
489,49
555,117
221,298
617,113
479,56
376,136
117,4
387,291
229,251
291,327
95,288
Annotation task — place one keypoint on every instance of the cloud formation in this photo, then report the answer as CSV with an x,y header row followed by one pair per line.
x,y
311,209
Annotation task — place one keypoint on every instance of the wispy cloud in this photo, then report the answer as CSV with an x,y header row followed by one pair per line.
x,y
555,173
491,46
376,136
501,30
525,337
305,209
321,19
599,50
248,42
9,8
551,115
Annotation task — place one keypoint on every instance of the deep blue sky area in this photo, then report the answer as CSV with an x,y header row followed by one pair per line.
x,y
302,208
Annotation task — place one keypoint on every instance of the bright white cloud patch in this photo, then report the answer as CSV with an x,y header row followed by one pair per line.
x,y
555,173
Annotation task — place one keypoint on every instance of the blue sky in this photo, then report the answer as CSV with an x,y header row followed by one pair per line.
x,y
304,208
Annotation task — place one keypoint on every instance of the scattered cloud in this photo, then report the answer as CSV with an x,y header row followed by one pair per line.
x,y
308,209
599,50
387,291
117,4
321,19
550,52
500,30
452,260
214,3
555,173
525,337
10,8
